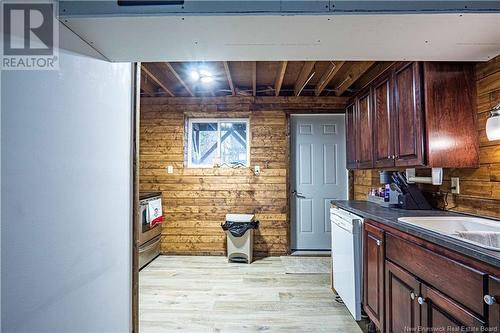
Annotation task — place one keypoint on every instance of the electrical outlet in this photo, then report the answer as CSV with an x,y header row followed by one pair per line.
x,y
170,169
455,185
256,170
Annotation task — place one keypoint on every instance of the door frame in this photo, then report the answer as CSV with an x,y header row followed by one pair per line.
x,y
305,113
136,106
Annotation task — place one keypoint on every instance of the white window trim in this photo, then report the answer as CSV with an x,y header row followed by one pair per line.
x,y
218,121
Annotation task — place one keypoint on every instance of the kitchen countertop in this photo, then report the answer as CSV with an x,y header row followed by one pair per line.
x,y
389,217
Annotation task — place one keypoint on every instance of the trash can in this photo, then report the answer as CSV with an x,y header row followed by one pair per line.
x,y
239,231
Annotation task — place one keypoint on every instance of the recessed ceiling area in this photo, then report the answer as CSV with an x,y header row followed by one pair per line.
x,y
258,78
429,37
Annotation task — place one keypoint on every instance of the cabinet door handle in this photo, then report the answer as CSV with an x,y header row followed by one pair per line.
x,y
490,300
420,300
379,242
412,295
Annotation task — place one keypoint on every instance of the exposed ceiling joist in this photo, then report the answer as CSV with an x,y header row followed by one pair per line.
x,y
229,78
279,77
157,77
177,76
304,77
353,74
254,78
146,85
371,74
329,74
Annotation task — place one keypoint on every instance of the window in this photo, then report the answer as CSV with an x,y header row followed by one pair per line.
x,y
218,142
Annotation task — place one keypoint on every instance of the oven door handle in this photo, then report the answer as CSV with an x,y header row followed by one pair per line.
x,y
150,246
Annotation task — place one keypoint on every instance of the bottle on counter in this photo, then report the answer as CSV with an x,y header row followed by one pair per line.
x,y
387,193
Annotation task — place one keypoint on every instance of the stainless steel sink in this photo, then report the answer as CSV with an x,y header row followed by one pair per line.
x,y
478,231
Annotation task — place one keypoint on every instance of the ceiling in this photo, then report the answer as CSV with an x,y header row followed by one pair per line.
x,y
433,37
259,78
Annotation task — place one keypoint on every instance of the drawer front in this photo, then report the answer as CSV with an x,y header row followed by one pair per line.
x,y
149,251
460,282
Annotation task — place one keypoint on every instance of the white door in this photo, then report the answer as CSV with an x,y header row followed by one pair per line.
x,y
318,175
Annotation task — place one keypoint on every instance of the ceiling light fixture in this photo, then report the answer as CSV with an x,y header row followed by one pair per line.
x,y
195,76
493,124
202,75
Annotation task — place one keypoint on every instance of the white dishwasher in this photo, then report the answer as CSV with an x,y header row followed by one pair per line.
x,y
347,254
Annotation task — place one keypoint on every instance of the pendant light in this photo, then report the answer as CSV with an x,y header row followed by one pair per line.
x,y
493,124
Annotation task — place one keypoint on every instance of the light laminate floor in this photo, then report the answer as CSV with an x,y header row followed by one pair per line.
x,y
208,294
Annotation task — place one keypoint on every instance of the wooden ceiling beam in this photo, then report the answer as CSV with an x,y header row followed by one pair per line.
x,y
370,75
332,69
157,79
178,77
304,77
254,78
229,78
353,74
279,77
147,86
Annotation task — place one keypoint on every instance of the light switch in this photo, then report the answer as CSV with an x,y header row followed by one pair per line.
x,y
455,185
170,169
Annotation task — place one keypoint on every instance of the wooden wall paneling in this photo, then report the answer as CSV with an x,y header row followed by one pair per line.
x,y
195,200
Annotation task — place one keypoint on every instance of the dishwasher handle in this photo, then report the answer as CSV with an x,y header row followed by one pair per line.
x,y
343,224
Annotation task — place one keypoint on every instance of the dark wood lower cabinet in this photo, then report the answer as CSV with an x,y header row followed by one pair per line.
x,y
441,314
402,312
373,276
492,299
404,293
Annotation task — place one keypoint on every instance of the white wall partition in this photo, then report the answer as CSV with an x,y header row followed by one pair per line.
x,y
66,194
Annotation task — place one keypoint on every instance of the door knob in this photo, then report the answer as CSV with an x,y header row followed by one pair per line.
x,y
298,195
490,300
379,242
412,295
420,300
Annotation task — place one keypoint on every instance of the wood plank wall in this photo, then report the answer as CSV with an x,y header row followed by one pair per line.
x,y
479,188
195,200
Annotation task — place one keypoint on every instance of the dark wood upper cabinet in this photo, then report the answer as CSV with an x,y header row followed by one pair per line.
x,y
408,115
492,299
450,118
402,289
350,124
364,133
373,274
418,114
383,138
441,312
